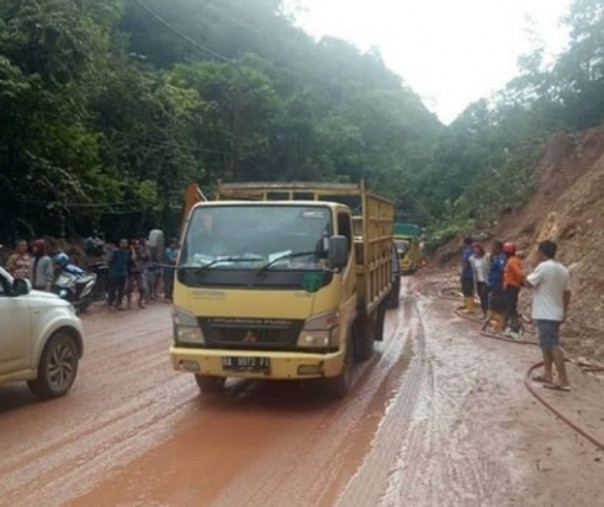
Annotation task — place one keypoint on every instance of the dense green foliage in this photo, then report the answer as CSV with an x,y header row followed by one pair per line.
x,y
109,109
484,162
108,113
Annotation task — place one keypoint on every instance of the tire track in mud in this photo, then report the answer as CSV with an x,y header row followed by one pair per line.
x,y
368,484
328,452
435,446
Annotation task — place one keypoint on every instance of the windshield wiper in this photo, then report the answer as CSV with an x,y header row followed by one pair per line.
x,y
222,260
292,255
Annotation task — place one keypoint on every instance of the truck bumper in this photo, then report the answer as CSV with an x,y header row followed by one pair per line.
x,y
284,365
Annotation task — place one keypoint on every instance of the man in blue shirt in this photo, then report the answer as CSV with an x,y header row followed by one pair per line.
x,y
467,276
118,274
495,282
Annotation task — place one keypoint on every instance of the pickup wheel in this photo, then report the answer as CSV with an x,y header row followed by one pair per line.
x,y
58,367
210,385
339,386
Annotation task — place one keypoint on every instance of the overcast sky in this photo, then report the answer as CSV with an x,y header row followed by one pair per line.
x,y
451,52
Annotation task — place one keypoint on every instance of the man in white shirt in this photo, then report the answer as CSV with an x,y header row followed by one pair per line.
x,y
551,282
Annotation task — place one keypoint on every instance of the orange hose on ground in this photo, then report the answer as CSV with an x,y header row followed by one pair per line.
x,y
555,411
527,382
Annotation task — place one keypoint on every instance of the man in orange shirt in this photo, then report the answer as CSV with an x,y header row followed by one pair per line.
x,y
512,281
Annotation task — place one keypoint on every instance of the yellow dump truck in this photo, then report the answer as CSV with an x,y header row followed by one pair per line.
x,y
406,239
282,281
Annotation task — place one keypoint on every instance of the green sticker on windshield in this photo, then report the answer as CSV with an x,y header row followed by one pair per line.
x,y
312,282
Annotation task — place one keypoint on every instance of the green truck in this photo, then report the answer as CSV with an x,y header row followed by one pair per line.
x,y
406,239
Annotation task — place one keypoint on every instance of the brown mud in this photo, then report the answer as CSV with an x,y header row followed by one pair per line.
x,y
439,416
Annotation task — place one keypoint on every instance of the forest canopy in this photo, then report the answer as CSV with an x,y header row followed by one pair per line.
x,y
109,109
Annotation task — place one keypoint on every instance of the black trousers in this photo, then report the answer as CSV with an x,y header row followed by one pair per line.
x,y
467,287
511,302
483,293
116,289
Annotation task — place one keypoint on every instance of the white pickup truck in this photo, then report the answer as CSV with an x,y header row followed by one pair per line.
x,y
40,338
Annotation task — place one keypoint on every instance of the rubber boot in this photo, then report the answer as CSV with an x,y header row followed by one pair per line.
x,y
470,305
497,321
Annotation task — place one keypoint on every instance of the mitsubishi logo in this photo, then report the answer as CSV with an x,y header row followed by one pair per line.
x,y
250,338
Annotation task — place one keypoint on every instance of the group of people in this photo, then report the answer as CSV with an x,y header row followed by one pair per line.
x,y
32,262
132,269
498,277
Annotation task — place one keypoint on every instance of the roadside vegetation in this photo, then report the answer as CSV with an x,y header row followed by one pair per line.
x,y
109,109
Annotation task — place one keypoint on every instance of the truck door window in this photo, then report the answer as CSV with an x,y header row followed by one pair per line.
x,y
344,226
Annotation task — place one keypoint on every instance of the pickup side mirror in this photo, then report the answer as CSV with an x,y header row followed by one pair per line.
x,y
338,252
21,287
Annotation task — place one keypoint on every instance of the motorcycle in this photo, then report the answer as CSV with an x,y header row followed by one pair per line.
x,y
76,286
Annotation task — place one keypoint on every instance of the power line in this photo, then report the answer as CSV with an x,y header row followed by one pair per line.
x,y
184,37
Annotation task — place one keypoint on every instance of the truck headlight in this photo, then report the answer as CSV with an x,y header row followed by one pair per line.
x,y
186,328
321,332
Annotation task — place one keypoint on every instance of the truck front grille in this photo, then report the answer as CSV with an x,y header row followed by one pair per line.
x,y
242,333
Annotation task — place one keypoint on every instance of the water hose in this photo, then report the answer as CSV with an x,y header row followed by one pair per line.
x,y
590,368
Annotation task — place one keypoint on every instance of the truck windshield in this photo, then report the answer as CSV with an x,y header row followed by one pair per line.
x,y
402,246
252,237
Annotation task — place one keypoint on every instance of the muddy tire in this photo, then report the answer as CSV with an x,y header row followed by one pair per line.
x,y
210,385
57,368
363,336
379,322
340,386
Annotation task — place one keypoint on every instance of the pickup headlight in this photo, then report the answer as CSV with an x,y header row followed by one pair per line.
x,y
321,332
186,328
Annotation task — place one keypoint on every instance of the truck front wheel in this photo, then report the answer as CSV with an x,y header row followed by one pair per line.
x,y
340,386
210,385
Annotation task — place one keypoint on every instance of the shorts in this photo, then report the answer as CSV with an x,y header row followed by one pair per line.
x,y
467,287
511,301
549,333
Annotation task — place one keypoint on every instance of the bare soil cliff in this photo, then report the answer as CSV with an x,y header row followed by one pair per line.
x,y
567,207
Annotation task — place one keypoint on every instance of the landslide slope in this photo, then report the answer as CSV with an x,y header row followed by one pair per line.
x,y
568,207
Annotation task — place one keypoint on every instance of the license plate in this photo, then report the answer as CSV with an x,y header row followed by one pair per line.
x,y
250,364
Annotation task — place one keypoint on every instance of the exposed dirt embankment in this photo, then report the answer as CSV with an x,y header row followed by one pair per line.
x,y
568,207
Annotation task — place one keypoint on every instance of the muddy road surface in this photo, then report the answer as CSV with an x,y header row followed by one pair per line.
x,y
438,417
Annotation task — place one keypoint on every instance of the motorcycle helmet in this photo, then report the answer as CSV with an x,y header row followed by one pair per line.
x,y
509,247
61,259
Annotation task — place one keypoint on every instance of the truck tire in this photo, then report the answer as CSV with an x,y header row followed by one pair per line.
x,y
210,385
363,335
339,387
379,322
57,368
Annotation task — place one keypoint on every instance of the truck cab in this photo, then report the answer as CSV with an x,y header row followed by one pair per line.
x,y
279,289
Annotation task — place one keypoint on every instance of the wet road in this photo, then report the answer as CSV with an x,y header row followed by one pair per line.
x,y
435,418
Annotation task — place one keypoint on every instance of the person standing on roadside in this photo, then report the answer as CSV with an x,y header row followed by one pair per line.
x,y
170,257
145,263
495,286
118,274
551,282
513,278
480,267
18,264
41,269
467,276
135,277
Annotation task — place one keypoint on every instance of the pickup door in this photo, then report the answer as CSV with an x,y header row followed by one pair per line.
x,y
15,331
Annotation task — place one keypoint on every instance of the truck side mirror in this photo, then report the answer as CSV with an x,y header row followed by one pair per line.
x,y
338,252
21,287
